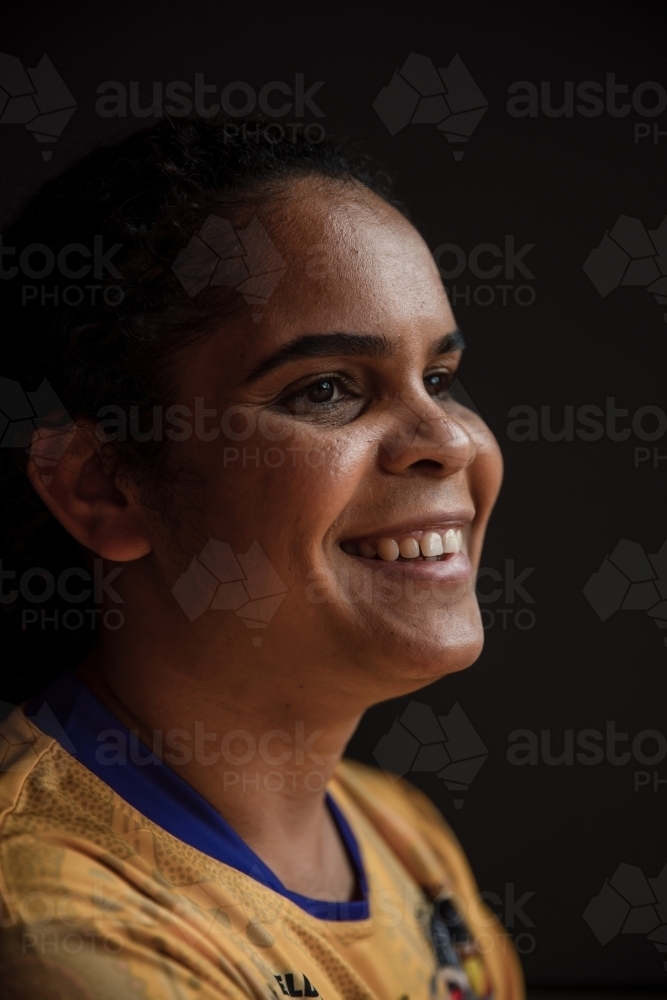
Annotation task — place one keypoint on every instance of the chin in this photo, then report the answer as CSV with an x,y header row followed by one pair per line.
x,y
447,661
411,663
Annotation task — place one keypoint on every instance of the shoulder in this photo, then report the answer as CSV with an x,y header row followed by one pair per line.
x,y
54,814
44,789
85,912
23,748
419,836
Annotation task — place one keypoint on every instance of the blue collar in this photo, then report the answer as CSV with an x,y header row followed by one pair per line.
x,y
71,714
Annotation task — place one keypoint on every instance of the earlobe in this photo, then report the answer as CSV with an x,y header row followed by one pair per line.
x,y
67,471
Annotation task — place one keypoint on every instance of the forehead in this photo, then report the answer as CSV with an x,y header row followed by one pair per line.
x,y
351,260
342,261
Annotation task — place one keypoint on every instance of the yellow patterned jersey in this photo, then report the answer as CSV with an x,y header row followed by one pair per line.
x,y
100,902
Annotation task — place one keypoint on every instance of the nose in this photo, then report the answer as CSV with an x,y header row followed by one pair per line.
x,y
424,438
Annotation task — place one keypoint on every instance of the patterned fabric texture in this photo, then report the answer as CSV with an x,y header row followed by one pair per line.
x,y
99,903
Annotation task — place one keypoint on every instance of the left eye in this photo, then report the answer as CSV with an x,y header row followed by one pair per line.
x,y
438,383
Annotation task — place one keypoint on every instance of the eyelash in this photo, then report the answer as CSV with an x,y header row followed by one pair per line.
x,y
339,380
334,378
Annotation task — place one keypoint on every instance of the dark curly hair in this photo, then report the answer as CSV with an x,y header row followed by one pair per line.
x,y
129,210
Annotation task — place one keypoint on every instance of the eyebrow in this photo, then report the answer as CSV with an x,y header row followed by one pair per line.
x,y
319,345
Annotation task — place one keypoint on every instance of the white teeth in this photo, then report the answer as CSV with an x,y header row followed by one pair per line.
x,y
409,548
388,549
450,541
431,544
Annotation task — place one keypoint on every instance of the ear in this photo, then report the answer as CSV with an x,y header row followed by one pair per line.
x,y
97,507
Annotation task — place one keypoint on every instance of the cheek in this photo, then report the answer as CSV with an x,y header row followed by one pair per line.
x,y
285,493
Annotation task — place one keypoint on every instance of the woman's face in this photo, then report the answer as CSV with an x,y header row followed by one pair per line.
x,y
338,439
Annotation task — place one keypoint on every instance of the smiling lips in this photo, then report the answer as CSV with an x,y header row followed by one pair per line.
x,y
423,546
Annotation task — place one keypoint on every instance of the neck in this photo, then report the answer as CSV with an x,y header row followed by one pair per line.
x,y
258,745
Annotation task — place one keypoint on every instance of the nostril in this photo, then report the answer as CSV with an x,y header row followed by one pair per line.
x,y
426,465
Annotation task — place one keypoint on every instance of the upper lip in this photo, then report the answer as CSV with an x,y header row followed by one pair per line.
x,y
423,522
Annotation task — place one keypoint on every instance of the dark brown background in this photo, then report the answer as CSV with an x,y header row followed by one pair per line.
x,y
555,831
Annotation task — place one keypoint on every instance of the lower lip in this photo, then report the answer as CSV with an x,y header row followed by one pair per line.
x,y
456,568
